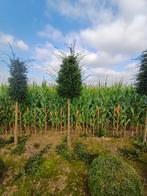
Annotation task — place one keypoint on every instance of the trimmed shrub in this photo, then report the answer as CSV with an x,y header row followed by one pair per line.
x,y
20,148
4,142
140,145
111,176
2,167
83,154
130,153
63,150
33,164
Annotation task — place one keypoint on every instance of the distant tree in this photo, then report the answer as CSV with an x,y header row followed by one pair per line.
x,y
17,87
69,81
141,83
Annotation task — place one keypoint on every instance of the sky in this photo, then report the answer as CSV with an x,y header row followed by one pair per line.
x,y
110,34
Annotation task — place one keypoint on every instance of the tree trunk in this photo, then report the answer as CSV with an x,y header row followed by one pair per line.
x,y
16,124
45,123
145,130
68,124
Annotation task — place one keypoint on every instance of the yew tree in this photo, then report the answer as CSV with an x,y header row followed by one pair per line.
x,y
17,87
69,81
141,84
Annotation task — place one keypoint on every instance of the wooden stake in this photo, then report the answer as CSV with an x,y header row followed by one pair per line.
x,y
16,124
68,124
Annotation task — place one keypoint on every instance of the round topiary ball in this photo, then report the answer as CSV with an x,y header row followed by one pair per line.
x,y
111,176
2,167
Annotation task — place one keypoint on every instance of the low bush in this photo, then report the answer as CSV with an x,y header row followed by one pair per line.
x,y
4,142
101,132
130,153
111,176
2,167
33,164
62,150
83,154
20,148
140,145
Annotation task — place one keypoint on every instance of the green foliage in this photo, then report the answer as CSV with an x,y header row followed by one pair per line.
x,y
20,148
101,132
111,176
17,80
33,164
140,145
48,168
63,150
83,154
131,153
4,142
141,83
2,167
94,109
69,78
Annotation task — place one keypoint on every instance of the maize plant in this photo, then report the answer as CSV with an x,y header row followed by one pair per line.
x,y
117,109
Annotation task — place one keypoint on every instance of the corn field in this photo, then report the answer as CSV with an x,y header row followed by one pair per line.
x,y
116,109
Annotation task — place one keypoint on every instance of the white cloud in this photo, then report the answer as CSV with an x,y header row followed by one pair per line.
x,y
87,10
3,75
118,36
132,8
102,59
46,61
115,31
6,39
21,45
51,33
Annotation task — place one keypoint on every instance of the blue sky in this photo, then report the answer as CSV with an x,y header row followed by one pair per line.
x,y
110,32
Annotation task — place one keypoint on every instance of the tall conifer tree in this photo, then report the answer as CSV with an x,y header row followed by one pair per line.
x,y
141,84
69,82
17,87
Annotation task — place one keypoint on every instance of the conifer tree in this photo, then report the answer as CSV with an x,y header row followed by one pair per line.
x,y
69,81
141,84
17,87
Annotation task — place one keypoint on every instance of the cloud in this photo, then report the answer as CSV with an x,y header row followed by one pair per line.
x,y
6,39
50,32
46,61
118,36
21,45
102,75
3,75
102,59
112,32
130,9
90,11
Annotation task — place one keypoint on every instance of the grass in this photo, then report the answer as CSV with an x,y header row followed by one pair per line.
x,y
55,174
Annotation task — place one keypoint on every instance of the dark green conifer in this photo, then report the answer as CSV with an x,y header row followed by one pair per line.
x,y
17,87
69,81
18,80
141,83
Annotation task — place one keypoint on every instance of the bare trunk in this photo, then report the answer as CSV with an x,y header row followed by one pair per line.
x,y
61,120
45,123
145,130
16,124
68,124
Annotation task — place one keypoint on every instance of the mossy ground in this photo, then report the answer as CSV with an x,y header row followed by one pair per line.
x,y
56,175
